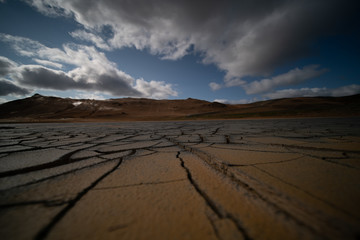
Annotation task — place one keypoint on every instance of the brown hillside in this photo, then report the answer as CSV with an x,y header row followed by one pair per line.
x,y
42,108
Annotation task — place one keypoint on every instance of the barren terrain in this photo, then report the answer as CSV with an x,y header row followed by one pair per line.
x,y
243,179
52,109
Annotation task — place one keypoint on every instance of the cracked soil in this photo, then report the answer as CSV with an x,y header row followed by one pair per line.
x,y
235,179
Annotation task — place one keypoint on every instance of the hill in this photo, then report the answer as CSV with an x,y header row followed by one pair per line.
x,y
40,108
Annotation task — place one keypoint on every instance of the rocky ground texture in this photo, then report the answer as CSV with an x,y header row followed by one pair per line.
x,y
241,179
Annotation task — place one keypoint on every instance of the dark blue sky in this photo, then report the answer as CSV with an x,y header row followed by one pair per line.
x,y
179,49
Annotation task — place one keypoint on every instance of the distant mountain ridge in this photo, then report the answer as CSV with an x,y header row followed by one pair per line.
x,y
40,108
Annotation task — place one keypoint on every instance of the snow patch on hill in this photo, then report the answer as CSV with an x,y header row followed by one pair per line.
x,y
77,103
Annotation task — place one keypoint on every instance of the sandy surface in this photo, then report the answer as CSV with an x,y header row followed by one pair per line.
x,y
241,179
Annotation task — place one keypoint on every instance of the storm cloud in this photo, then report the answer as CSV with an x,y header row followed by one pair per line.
x,y
9,88
249,41
243,38
6,66
45,78
90,70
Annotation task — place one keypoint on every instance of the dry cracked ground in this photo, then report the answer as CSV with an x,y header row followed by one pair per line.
x,y
243,179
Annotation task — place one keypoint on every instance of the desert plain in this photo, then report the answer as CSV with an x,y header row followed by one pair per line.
x,y
221,179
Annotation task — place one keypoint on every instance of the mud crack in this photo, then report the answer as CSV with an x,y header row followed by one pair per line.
x,y
219,213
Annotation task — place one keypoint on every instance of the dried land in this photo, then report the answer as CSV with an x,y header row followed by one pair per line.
x,y
234,179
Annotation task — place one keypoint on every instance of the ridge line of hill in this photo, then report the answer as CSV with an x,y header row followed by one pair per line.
x,y
40,108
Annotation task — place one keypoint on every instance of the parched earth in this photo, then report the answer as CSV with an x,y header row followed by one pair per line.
x,y
241,179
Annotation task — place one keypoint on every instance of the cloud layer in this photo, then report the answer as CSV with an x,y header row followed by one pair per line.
x,y
292,77
314,92
90,71
8,87
243,38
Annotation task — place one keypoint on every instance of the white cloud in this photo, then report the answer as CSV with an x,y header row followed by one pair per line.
x,y
29,48
48,63
233,81
215,86
91,37
345,90
49,7
154,89
315,92
292,77
243,38
91,71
